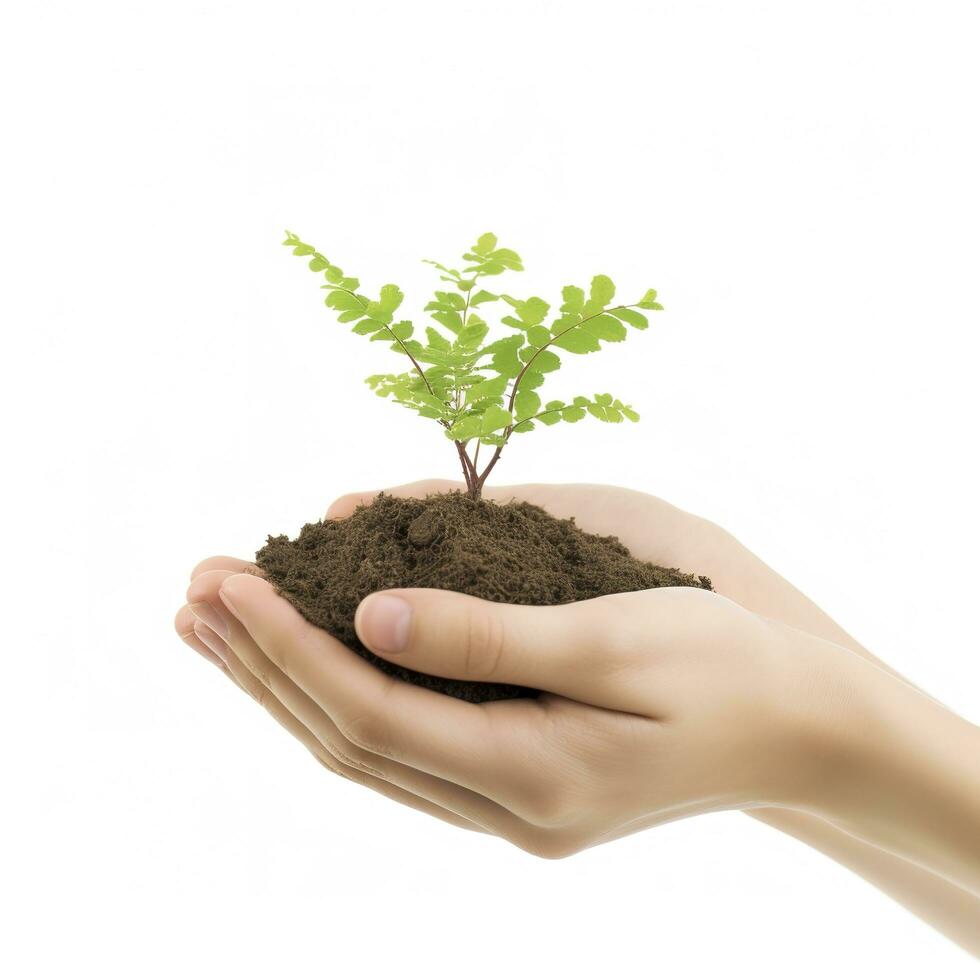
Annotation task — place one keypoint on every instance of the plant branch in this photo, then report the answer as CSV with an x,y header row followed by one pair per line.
x,y
397,340
482,477
557,336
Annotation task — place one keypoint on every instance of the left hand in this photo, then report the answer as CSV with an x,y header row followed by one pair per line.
x,y
661,704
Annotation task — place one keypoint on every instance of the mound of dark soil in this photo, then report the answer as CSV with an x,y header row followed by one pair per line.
x,y
512,552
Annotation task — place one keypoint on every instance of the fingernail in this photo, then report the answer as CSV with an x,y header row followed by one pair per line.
x,y
384,622
205,612
211,640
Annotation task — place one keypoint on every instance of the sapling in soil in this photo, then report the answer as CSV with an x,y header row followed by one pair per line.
x,y
482,391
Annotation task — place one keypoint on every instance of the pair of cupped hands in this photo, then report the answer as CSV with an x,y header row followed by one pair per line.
x,y
656,705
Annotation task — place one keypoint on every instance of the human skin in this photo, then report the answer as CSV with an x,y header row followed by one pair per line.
x,y
663,704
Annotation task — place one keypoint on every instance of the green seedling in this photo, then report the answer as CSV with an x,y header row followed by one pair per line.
x,y
483,393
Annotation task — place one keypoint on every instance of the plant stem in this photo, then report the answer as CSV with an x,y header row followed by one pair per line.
x,y
482,478
473,486
469,472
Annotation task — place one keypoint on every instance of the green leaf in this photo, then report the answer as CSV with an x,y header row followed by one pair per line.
x,y
526,403
531,379
391,298
604,412
318,263
481,424
539,336
402,330
366,326
489,388
633,317
485,244
451,320
436,339
446,301
428,355
602,291
471,336
526,426
378,312
495,418
547,360
505,358
482,297
577,342
489,260
452,272
531,311
574,298
603,399
630,413
338,299
649,301
563,323
572,414
605,327
508,258
433,401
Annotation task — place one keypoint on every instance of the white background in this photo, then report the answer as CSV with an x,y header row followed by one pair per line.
x,y
799,181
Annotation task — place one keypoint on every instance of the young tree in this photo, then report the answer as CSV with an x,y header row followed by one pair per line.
x,y
482,392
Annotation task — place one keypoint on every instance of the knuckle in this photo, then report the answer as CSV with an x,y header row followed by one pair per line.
x,y
328,763
550,810
353,758
183,624
203,566
344,506
543,805
548,846
484,642
367,732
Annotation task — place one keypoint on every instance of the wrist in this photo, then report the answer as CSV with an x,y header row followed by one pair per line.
x,y
890,765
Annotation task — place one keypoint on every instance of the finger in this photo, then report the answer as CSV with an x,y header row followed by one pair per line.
x,y
653,529
225,563
443,736
284,717
184,625
297,712
579,650
345,506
